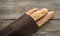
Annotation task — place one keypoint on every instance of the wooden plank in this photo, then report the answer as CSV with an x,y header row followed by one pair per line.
x,y
52,25
13,10
54,33
11,16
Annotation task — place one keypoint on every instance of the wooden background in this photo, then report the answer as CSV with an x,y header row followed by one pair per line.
x,y
10,10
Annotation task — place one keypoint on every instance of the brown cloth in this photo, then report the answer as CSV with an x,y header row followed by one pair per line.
x,y
23,26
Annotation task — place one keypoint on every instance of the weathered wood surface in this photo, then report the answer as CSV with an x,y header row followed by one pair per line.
x,y
10,9
51,33
13,9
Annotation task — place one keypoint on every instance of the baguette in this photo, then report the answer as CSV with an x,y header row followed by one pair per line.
x,y
31,11
45,18
38,14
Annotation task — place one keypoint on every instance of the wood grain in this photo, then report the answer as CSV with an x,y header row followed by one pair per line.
x,y
51,33
14,8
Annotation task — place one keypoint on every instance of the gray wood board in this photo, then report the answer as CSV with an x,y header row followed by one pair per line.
x,y
51,33
11,9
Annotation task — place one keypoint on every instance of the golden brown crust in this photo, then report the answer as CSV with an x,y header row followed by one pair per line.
x,y
31,11
45,18
38,14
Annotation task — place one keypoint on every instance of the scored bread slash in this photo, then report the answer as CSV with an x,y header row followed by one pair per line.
x,y
45,18
31,11
40,13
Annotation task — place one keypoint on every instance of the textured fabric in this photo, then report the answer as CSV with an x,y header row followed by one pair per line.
x,y
23,26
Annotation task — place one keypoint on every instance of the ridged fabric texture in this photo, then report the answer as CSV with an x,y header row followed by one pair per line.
x,y
23,26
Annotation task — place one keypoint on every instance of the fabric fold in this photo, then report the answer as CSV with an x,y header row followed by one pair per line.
x,y
23,26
